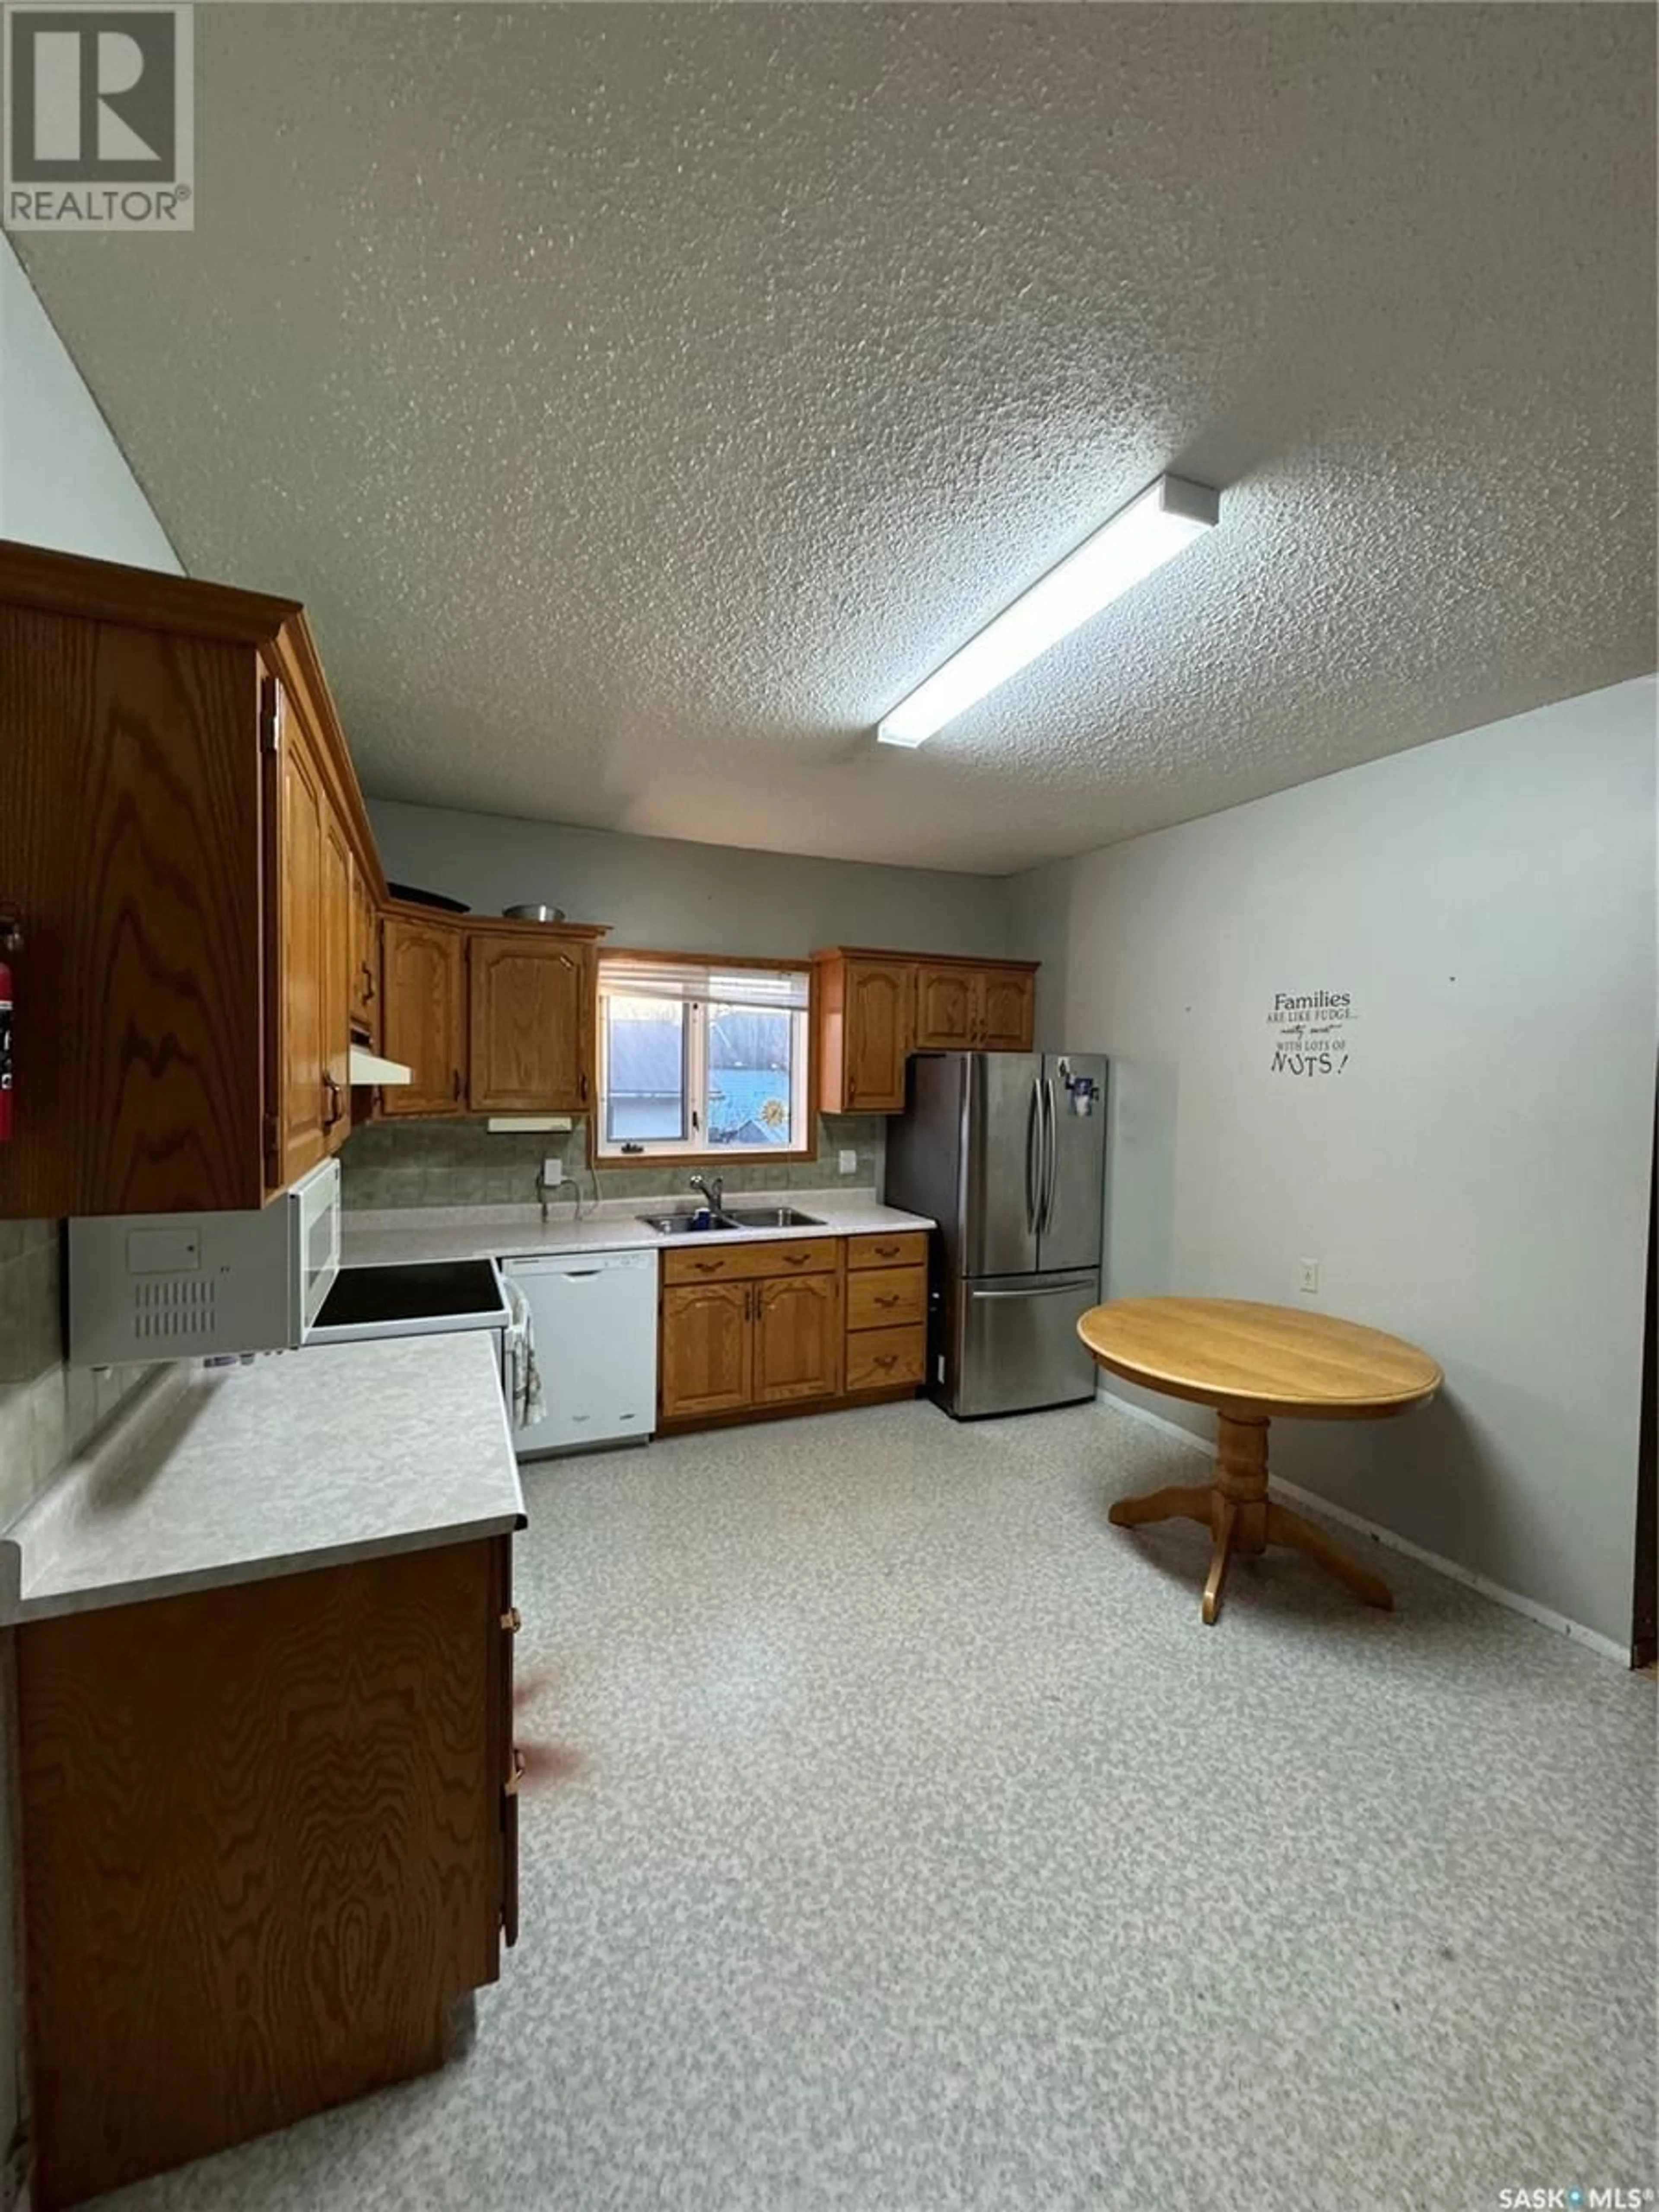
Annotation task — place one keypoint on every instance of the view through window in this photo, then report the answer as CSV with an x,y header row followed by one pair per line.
x,y
698,1057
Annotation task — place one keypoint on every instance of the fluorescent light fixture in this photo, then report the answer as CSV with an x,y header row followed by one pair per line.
x,y
1139,538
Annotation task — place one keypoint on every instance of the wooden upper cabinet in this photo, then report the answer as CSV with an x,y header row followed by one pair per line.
x,y
1005,1000
863,1023
424,1021
877,1034
310,876
298,1130
797,1339
339,939
166,867
875,1007
945,1008
530,1021
365,991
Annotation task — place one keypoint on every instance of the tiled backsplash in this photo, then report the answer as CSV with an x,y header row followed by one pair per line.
x,y
389,1164
47,1409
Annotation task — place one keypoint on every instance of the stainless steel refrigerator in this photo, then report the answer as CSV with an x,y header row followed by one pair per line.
x,y
1007,1151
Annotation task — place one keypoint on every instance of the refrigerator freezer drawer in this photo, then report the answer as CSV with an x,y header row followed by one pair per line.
x,y
1017,1345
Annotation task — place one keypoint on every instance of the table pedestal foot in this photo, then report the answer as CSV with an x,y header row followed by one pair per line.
x,y
1290,1530
1241,1517
1180,1502
1221,1552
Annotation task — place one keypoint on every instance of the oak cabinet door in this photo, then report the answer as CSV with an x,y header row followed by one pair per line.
x,y
302,1004
1005,1000
878,1018
528,1024
338,943
707,1359
423,1016
945,1008
365,958
797,1338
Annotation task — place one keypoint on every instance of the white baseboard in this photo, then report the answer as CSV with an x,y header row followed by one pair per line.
x,y
1591,1639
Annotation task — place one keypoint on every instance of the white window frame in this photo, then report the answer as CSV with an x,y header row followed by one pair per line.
x,y
695,1146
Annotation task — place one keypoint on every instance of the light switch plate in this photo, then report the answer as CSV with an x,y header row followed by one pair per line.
x,y
1308,1277
849,1162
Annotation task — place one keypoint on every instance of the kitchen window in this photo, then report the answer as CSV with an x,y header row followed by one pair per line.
x,y
701,1058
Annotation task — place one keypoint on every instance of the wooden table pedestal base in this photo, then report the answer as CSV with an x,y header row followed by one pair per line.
x,y
1242,1518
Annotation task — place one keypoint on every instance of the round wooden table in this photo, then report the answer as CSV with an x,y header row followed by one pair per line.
x,y
1255,1364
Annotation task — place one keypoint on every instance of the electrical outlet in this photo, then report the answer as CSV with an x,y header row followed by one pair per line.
x,y
849,1163
552,1171
1308,1277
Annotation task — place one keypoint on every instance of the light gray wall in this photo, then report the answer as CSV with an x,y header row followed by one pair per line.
x,y
1475,1179
63,483
664,895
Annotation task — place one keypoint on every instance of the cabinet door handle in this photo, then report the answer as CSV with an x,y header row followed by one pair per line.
x,y
368,983
513,1620
584,1085
333,1089
510,1787
455,1085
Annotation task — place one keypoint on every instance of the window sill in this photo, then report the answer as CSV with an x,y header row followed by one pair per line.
x,y
710,1161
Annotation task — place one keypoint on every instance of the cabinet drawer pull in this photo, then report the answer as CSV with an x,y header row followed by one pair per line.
x,y
886,1359
887,1251
796,1258
510,1787
513,1620
708,1267
889,1301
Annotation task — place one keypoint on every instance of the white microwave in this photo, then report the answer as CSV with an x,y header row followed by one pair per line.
x,y
154,1286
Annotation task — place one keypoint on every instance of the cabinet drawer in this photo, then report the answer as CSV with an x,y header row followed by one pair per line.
x,y
817,1255
897,1247
885,1298
880,1358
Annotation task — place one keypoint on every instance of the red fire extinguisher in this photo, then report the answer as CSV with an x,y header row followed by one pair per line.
x,y
7,940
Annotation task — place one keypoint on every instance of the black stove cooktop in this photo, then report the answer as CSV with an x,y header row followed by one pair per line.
x,y
422,1289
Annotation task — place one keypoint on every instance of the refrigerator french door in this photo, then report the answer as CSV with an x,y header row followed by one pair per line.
x,y
1007,1151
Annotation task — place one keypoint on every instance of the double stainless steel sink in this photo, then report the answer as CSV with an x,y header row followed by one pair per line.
x,y
697,1221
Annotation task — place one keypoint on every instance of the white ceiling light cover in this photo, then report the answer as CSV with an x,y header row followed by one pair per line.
x,y
1139,538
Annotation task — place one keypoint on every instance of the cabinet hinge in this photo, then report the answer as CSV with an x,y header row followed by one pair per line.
x,y
270,718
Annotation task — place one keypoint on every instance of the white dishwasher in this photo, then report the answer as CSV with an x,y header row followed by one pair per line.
x,y
594,1315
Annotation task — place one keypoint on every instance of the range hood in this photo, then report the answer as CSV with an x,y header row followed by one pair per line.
x,y
364,1067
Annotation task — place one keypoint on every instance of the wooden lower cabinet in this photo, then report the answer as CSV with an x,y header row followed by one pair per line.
x,y
267,1839
706,1362
797,1324
760,1327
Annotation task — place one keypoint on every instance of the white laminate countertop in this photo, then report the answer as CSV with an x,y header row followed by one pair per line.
x,y
388,1235
300,1460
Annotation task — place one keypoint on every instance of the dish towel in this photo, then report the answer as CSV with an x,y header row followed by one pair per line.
x,y
522,1374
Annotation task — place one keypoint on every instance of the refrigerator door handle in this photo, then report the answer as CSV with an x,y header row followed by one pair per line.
x,y
1068,1289
1033,1157
1050,1155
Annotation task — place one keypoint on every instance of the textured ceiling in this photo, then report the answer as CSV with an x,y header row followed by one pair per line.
x,y
643,398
